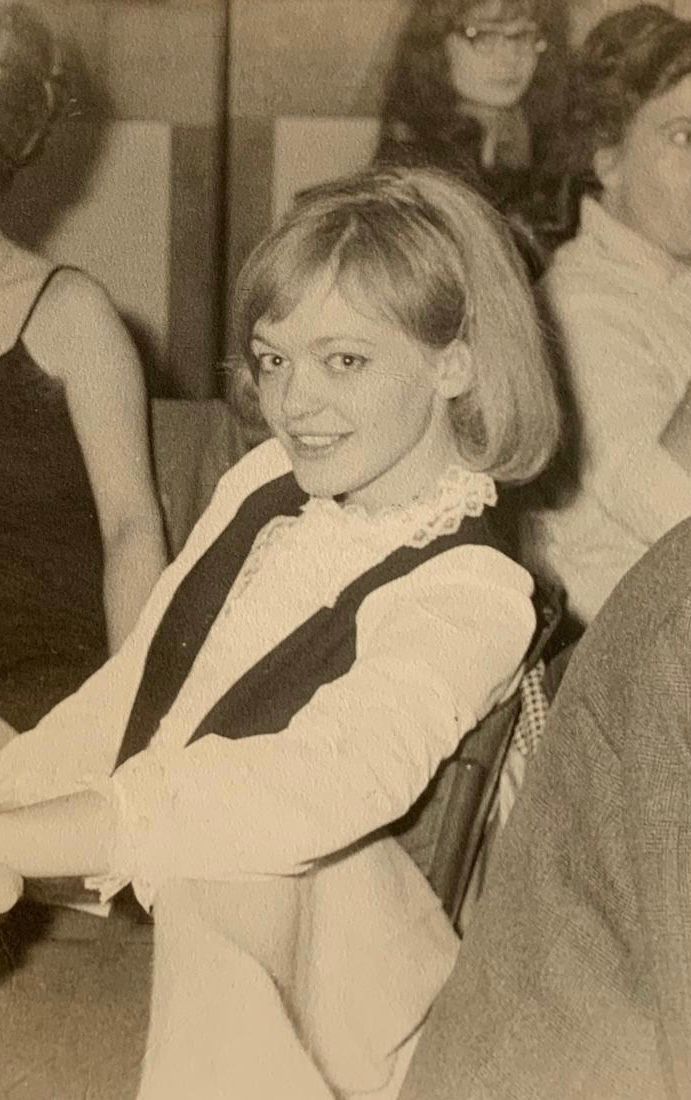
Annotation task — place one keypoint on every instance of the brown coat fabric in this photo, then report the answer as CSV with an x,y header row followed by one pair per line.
x,y
574,980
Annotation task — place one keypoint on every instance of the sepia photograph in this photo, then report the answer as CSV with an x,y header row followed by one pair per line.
x,y
345,550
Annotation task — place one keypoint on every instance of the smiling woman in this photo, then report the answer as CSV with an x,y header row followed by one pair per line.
x,y
359,405
341,616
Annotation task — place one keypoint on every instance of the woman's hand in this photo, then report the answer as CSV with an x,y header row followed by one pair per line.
x,y
11,888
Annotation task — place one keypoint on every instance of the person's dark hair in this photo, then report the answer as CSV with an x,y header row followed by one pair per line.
x,y
628,58
33,86
420,91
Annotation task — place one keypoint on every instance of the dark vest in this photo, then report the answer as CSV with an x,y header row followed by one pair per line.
x,y
320,650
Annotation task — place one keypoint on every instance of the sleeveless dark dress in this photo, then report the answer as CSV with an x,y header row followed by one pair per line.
x,y
52,620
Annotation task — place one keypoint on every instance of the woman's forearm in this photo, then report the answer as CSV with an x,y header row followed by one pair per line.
x,y
134,558
63,837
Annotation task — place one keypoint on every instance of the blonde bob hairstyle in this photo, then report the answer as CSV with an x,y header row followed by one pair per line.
x,y
431,256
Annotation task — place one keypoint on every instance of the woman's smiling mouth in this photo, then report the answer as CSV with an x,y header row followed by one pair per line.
x,y
314,444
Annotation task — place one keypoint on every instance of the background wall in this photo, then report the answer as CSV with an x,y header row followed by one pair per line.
x,y
140,189
132,188
306,80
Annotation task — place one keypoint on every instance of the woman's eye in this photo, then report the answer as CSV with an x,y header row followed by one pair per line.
x,y
268,362
346,361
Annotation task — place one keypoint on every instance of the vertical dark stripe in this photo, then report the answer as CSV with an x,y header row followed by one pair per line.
x,y
250,180
194,285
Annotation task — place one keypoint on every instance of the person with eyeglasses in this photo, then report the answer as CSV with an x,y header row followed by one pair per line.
x,y
476,88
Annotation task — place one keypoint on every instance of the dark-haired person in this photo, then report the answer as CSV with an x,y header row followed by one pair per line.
x,y
476,88
620,296
81,540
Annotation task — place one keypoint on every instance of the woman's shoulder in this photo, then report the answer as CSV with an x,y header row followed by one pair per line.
x,y
264,463
74,331
69,296
450,580
23,275
580,283
475,564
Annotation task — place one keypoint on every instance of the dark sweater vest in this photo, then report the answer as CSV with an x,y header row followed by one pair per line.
x,y
320,650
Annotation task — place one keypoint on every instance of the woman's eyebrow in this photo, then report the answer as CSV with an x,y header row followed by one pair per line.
x,y
261,338
341,337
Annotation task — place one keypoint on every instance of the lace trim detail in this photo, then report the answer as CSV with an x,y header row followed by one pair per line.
x,y
252,564
458,493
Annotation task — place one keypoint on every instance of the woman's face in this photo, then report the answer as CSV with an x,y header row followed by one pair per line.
x,y
353,399
492,58
646,179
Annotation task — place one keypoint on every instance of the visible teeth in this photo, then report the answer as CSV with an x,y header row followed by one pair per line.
x,y
316,440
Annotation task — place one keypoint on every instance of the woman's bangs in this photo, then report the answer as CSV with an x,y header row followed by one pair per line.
x,y
418,295
505,11
285,271
377,275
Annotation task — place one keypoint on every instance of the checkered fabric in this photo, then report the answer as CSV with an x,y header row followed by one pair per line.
x,y
531,719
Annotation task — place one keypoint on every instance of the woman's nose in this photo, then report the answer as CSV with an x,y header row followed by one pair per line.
x,y
302,392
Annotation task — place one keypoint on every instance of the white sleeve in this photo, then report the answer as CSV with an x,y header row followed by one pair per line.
x,y
623,405
435,651
78,741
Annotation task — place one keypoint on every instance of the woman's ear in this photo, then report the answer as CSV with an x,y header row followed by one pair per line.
x,y
454,370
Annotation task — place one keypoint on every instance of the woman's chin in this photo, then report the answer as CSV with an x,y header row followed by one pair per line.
x,y
320,483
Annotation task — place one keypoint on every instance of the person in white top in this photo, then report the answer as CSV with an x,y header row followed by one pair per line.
x,y
620,298
338,619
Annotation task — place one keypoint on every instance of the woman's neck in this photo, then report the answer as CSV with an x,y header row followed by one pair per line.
x,y
414,475
505,134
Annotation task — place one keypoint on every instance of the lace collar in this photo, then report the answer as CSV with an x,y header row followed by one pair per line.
x,y
439,511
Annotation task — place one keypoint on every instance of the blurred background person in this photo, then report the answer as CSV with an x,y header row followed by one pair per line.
x,y
620,299
81,540
476,89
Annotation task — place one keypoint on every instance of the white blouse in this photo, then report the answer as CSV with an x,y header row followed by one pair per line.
x,y
622,308
435,650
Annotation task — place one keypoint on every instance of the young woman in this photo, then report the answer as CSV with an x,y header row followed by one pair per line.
x,y
339,618
620,298
81,541
476,88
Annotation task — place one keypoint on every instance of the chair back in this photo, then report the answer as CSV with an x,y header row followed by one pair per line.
x,y
444,831
194,443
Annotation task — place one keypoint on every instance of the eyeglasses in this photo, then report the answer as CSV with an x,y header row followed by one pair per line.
x,y
486,40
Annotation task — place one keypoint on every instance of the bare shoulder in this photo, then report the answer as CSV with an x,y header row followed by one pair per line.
x,y
72,296
75,322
